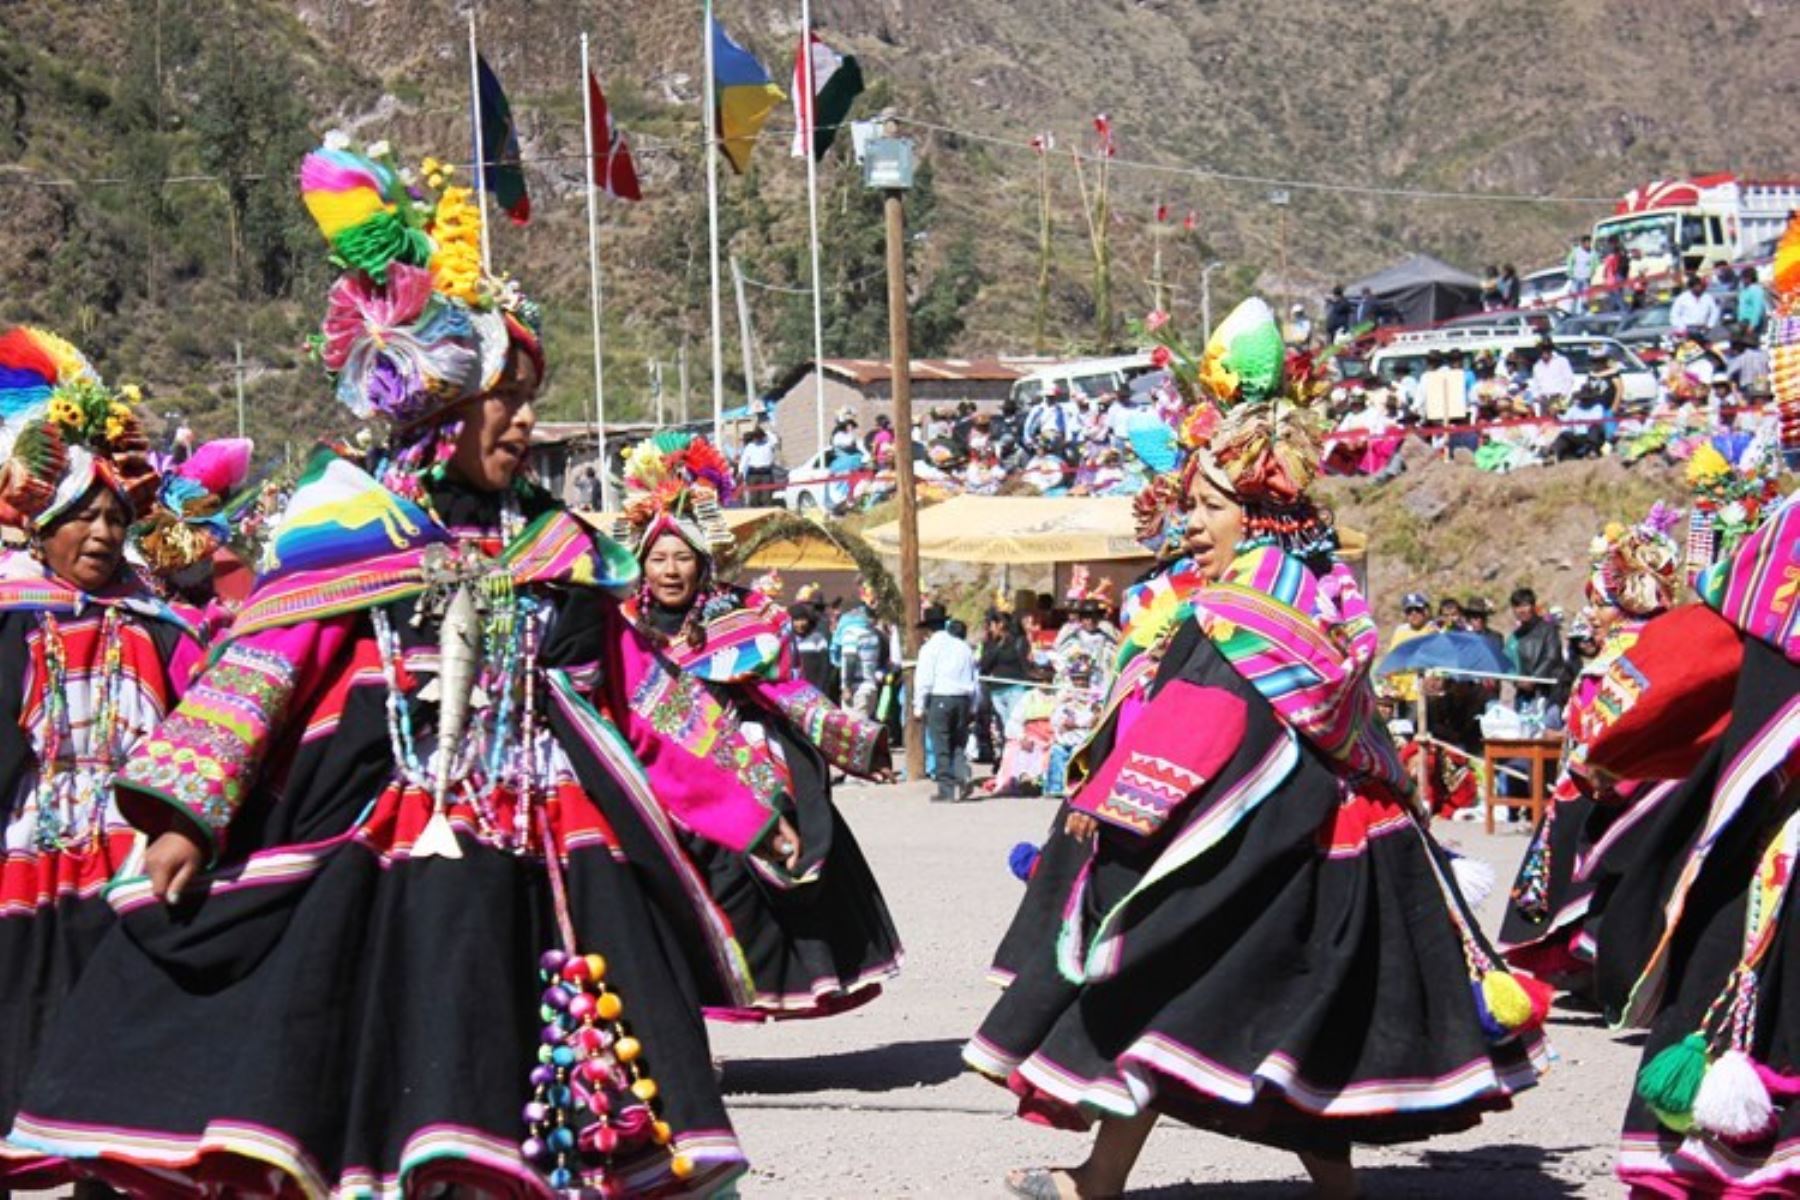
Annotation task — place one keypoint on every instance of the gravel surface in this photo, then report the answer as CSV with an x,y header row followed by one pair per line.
x,y
875,1103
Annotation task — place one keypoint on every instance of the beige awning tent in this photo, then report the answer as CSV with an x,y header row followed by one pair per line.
x,y
1019,530
811,553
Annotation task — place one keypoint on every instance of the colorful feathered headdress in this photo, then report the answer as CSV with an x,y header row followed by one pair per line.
x,y
194,509
413,326
62,431
1637,569
1251,426
675,483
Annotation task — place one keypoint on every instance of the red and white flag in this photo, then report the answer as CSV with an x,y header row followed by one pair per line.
x,y
1192,222
1044,143
613,169
1162,213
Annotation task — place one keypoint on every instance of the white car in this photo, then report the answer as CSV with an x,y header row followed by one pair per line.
x,y
811,487
1639,385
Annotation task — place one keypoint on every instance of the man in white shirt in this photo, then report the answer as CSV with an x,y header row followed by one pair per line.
x,y
1552,378
945,687
1695,310
756,467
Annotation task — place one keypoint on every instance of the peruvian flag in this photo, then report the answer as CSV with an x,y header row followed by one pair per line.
x,y
1044,142
613,169
821,109
1192,221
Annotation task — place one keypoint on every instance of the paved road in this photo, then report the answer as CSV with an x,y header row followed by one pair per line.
x,y
875,1103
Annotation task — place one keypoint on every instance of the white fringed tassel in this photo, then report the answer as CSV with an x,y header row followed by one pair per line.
x,y
1474,878
1733,1102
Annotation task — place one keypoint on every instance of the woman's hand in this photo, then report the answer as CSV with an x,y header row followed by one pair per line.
x,y
172,862
1080,826
782,845
882,775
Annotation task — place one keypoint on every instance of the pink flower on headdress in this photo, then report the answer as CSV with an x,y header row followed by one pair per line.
x,y
1156,320
359,307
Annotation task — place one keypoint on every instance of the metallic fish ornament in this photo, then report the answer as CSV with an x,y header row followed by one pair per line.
x,y
459,663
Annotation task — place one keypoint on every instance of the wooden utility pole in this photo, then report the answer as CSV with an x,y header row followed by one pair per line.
x,y
901,354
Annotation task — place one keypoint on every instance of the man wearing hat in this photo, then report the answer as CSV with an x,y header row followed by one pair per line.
x,y
945,686
1416,608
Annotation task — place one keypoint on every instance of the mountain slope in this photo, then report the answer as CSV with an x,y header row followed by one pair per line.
x,y
1564,97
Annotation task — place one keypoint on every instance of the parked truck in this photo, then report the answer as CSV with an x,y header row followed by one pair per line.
x,y
1673,226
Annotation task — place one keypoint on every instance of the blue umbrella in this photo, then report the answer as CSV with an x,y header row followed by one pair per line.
x,y
1468,653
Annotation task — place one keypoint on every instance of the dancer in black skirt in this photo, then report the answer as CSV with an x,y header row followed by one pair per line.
x,y
1700,940
1551,915
814,932
90,662
1239,921
388,942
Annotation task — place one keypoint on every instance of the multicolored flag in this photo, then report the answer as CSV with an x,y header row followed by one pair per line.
x,y
743,96
614,170
836,81
502,175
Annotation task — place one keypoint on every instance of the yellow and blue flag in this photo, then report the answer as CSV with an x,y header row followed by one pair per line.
x,y
743,95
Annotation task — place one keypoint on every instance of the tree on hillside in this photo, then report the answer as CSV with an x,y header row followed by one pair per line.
x,y
252,129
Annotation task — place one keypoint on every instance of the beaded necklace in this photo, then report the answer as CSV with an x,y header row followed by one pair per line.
x,y
505,750
70,798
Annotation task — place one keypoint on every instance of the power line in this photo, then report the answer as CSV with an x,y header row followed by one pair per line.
x,y
1196,172
17,176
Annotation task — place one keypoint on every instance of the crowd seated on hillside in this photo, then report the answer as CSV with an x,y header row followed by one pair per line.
x,y
1529,407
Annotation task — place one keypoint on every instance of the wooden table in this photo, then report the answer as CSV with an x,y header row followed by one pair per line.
x,y
1545,756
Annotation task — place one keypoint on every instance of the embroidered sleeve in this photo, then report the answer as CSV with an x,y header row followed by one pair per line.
x,y
202,761
849,742
1175,747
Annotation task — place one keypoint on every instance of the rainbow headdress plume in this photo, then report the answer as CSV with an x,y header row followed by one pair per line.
x,y
61,431
413,326
676,483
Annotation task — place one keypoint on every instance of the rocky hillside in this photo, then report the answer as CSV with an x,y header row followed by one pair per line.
x,y
108,107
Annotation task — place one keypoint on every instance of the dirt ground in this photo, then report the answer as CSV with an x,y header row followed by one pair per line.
x,y
875,1103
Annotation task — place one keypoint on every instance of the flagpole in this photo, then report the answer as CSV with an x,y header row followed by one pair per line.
x,y
812,214
593,217
711,101
487,256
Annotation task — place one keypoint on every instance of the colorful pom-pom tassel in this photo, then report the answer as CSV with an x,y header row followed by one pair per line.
x,y
1733,1102
1540,994
1670,1080
1023,860
1491,1028
1474,878
1682,1123
1506,1000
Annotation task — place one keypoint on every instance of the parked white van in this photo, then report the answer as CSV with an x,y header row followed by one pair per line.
x,y
1092,377
1638,384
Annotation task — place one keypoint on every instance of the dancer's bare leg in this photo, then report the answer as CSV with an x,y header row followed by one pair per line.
x,y
1333,1177
1108,1165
